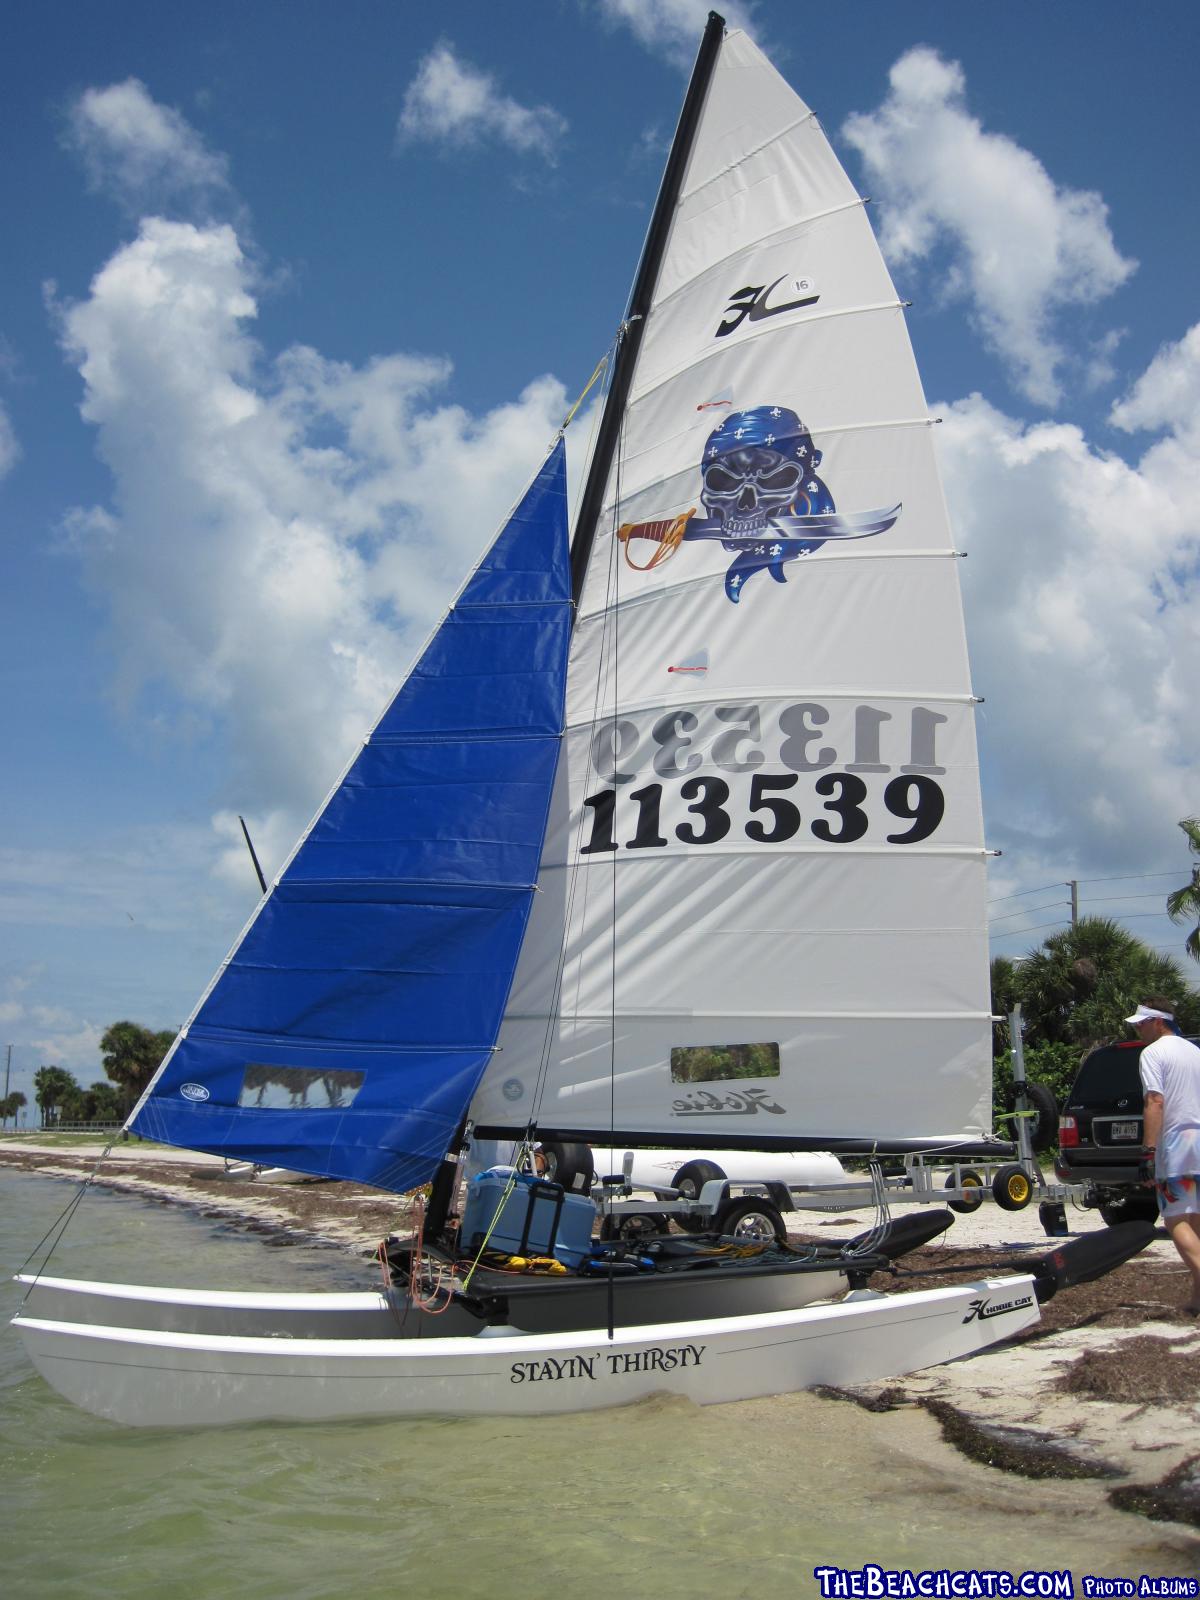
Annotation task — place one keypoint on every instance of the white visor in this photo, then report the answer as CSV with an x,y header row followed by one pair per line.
x,y
1146,1014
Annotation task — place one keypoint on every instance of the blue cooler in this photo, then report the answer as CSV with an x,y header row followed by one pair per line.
x,y
538,1218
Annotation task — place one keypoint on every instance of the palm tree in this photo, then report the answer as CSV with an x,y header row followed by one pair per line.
x,y
10,1106
1184,904
1079,984
53,1088
130,1056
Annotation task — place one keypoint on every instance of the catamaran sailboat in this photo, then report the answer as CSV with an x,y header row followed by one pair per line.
x,y
672,837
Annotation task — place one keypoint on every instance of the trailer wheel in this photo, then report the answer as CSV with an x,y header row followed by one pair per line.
x,y
1011,1187
1043,1125
965,1206
571,1165
689,1181
752,1220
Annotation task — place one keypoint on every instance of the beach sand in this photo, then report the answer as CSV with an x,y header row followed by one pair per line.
x,y
1105,1388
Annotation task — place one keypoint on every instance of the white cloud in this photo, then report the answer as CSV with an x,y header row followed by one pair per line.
x,y
10,450
143,154
673,28
1021,248
73,1045
282,532
453,103
1081,592
1167,395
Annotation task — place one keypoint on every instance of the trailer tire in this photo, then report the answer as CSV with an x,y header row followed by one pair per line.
x,y
1043,1125
1011,1187
752,1219
571,1165
964,1207
689,1181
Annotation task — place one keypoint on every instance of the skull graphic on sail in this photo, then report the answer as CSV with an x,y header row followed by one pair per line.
x,y
766,503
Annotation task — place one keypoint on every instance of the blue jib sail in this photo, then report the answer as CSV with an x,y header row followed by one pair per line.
x,y
348,1030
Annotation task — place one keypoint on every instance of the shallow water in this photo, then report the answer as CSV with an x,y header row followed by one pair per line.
x,y
663,1499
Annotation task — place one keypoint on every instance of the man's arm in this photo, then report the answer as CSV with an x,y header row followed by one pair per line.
x,y
1152,1119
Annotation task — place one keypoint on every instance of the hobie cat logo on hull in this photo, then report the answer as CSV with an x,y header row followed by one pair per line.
x,y
983,1309
764,499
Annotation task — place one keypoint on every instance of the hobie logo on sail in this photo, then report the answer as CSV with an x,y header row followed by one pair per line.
x,y
751,304
193,1091
764,499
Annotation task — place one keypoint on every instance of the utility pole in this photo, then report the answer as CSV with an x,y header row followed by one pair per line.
x,y
7,1071
1074,888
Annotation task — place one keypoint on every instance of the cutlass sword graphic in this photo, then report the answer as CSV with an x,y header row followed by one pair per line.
x,y
783,538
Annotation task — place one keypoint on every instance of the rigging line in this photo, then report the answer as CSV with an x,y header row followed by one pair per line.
x,y
586,390
574,861
59,1226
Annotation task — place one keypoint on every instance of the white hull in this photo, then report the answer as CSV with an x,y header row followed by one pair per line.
x,y
164,1379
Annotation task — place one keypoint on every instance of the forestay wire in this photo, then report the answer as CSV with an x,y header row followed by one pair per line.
x,y
60,1224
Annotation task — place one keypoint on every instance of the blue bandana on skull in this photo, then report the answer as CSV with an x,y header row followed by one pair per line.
x,y
758,465
763,498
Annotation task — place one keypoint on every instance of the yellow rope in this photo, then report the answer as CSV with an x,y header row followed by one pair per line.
x,y
600,366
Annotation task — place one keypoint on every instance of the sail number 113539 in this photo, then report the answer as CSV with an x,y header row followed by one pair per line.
x,y
773,817
815,795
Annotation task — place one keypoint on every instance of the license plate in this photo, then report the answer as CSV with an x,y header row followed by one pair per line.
x,y
1124,1130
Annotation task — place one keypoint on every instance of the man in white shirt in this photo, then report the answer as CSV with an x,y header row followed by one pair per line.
x,y
1170,1072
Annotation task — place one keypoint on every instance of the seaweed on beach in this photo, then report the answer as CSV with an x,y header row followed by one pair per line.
x,y
1175,1499
1019,1450
1146,1369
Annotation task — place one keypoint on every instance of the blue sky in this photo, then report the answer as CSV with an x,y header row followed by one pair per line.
x,y
294,296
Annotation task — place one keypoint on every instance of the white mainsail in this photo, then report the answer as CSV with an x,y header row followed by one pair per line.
x,y
761,915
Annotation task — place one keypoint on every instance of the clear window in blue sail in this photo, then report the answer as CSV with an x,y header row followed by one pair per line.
x,y
713,1063
299,1088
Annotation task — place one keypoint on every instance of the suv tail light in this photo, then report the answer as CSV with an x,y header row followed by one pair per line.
x,y
1068,1132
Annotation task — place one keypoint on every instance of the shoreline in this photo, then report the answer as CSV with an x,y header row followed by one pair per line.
x,y
1105,1390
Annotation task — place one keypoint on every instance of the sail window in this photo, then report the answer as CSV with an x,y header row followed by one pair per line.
x,y
712,1063
299,1088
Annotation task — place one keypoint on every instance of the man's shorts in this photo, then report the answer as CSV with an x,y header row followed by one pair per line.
x,y
1178,1197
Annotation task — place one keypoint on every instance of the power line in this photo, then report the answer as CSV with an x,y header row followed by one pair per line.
x,y
1114,899
1032,912
1125,877
1001,898
1122,877
1009,932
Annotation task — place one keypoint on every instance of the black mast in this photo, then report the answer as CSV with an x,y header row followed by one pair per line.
x,y
610,424
639,301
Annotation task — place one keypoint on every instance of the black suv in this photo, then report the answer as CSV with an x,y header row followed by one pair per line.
x,y
1100,1133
